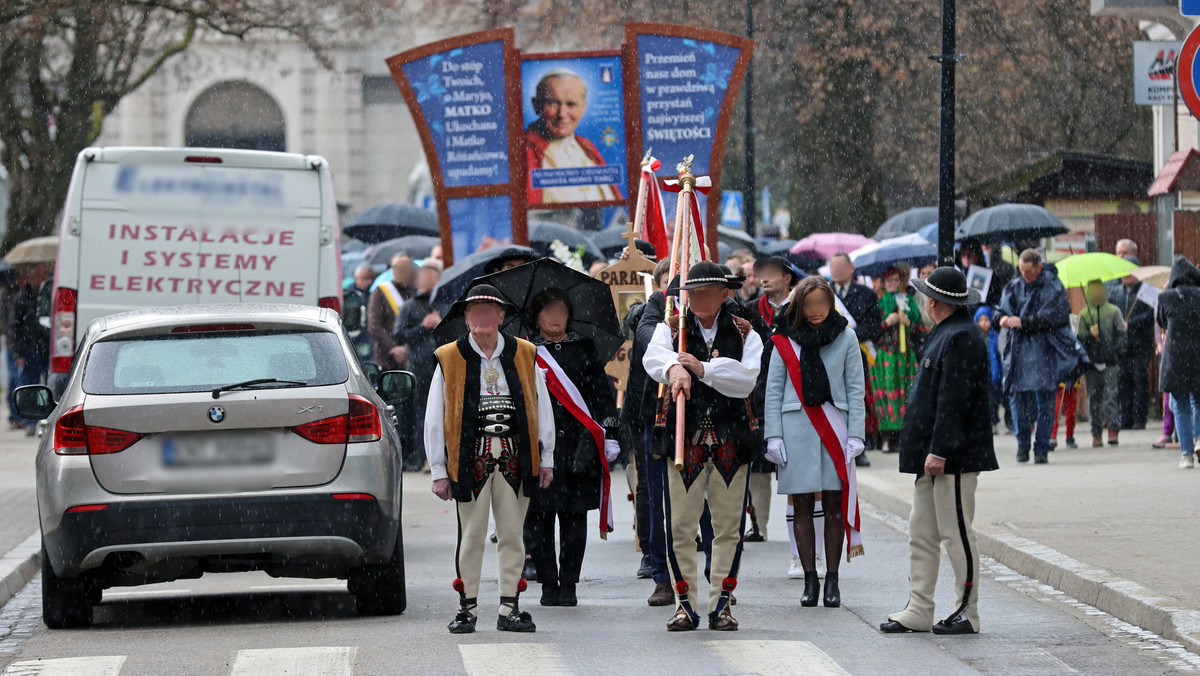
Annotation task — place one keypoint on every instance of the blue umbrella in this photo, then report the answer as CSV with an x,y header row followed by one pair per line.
x,y
930,232
874,259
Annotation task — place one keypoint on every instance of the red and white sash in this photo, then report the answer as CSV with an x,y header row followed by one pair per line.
x,y
562,389
833,433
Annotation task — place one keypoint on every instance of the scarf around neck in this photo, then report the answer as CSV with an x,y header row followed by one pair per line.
x,y
813,377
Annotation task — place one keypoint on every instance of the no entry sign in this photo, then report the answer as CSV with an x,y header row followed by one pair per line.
x,y
1188,72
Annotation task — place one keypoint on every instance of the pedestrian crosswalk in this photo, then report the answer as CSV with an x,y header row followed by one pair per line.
x,y
766,658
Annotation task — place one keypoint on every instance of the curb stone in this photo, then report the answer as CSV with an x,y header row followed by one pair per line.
x,y
19,566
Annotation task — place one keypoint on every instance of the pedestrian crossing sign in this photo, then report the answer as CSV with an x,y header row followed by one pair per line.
x,y
731,208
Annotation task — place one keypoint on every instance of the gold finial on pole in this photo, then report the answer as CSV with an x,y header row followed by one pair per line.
x,y
646,157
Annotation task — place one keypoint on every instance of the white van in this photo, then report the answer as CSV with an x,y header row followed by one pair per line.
x,y
146,227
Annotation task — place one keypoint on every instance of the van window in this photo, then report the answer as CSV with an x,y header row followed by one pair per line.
x,y
201,362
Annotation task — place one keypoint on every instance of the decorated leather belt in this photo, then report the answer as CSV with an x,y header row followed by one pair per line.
x,y
496,415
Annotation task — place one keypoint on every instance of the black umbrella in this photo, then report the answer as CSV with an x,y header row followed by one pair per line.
x,y
801,261
736,239
777,248
592,312
416,246
458,277
1010,223
544,233
389,221
906,223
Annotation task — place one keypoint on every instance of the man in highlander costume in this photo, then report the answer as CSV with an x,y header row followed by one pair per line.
x,y
489,437
716,373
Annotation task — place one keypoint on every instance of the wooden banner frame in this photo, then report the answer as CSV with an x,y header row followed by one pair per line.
x,y
514,189
633,101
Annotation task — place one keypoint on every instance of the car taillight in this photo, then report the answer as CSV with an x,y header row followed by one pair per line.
x,y
86,508
364,421
101,440
324,431
350,496
331,302
73,437
360,425
62,330
70,434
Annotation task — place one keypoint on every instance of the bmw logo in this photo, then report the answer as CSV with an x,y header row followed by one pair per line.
x,y
216,414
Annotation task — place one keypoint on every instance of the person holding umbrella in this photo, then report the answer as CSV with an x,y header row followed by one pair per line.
x,y
586,424
1102,333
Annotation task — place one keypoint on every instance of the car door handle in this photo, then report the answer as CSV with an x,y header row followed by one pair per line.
x,y
391,411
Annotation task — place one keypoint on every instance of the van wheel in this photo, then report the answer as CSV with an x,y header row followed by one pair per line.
x,y
379,588
66,602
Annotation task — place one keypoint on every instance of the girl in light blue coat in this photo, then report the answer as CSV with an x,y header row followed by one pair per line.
x,y
831,370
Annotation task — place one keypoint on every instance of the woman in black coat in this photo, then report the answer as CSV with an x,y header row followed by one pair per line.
x,y
577,467
1179,373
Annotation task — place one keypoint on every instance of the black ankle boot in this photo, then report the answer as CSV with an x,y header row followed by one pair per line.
x,y
812,589
833,595
566,594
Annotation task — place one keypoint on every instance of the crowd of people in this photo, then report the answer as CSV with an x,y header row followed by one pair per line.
x,y
787,380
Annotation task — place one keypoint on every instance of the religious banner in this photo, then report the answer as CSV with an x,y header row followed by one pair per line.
x,y
464,98
574,120
684,83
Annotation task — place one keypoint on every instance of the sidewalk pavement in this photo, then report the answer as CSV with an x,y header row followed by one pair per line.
x,y
1112,527
19,542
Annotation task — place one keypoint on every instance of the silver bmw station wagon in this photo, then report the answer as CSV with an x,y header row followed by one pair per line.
x,y
202,439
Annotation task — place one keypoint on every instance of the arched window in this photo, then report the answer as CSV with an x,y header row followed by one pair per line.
x,y
235,115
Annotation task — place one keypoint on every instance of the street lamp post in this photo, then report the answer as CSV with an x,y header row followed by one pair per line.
x,y
948,58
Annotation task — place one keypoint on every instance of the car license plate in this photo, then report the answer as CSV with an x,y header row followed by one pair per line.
x,y
217,450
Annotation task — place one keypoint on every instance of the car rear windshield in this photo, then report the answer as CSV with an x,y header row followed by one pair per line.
x,y
195,362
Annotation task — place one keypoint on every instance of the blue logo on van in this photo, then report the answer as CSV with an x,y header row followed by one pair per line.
x,y
256,187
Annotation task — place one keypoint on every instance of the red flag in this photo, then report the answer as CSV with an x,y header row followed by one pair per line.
x,y
654,227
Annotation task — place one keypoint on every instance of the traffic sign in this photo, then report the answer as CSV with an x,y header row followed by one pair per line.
x,y
731,208
1189,7
1186,67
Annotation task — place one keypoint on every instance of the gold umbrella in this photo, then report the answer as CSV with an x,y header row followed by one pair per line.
x,y
1154,275
36,250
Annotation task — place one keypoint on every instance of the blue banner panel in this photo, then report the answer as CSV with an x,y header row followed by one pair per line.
x,y
473,218
461,95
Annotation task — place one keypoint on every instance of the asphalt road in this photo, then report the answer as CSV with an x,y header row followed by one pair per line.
x,y
253,624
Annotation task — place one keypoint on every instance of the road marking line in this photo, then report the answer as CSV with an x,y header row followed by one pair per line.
x,y
775,658
512,659
294,661
68,666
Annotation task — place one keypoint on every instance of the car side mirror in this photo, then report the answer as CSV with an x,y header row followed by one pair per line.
x,y
34,401
372,370
396,387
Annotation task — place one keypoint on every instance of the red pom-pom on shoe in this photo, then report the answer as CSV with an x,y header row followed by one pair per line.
x,y
522,585
681,587
458,584
729,584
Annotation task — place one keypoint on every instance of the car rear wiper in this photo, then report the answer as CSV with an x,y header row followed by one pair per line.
x,y
258,381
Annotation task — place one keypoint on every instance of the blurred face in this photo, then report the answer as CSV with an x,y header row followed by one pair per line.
x,y
561,103
484,319
985,324
436,252
968,258
552,320
427,278
841,270
750,285
706,301
403,271
925,271
817,306
1030,271
512,263
773,281
1123,249
661,282
891,283
363,278
1097,294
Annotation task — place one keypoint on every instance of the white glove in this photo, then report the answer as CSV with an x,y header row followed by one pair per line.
x,y
854,448
776,453
611,450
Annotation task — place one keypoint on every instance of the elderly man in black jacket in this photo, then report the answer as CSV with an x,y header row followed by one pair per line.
x,y
946,441
1133,402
